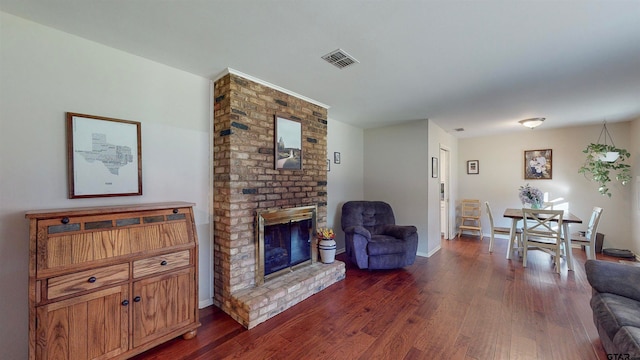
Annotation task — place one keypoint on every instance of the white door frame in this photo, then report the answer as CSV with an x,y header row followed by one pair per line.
x,y
444,187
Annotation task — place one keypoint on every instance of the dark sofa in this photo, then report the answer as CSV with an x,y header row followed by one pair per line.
x,y
372,238
616,306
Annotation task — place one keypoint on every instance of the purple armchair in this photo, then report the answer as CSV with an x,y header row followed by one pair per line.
x,y
372,238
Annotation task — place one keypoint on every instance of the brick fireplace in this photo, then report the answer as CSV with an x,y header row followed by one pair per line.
x,y
246,183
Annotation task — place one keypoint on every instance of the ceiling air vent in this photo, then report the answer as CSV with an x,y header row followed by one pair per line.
x,y
340,58
459,129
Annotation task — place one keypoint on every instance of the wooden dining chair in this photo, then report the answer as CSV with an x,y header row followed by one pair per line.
x,y
542,231
470,213
588,240
500,229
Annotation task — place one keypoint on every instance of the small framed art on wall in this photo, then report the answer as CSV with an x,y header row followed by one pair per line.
x,y
473,167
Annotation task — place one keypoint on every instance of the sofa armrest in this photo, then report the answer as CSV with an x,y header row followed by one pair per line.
x,y
614,278
399,231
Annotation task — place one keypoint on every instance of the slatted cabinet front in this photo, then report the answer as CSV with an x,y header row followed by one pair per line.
x,y
111,282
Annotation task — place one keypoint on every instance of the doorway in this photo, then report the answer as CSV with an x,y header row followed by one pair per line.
x,y
444,192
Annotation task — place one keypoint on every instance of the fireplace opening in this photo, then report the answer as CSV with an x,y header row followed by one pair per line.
x,y
285,241
286,245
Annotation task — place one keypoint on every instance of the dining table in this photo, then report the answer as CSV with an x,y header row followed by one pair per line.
x,y
567,218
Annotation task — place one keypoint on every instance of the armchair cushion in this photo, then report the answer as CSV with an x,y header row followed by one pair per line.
x,y
627,341
398,231
385,244
614,278
614,311
372,215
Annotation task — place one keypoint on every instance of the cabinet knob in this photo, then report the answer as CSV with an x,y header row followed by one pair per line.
x,y
163,262
92,279
175,211
65,220
125,302
137,299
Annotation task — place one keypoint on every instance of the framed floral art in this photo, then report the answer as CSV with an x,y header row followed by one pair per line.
x,y
538,164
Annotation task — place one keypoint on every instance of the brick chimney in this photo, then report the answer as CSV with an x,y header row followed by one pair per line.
x,y
246,181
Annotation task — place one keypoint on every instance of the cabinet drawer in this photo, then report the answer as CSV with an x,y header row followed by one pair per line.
x,y
161,263
86,280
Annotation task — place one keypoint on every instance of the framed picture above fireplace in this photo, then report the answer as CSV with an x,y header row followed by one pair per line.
x,y
288,144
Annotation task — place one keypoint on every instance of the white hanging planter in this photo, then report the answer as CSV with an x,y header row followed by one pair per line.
x,y
610,156
605,163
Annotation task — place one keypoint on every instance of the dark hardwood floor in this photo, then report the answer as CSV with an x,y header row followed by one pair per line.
x,y
461,303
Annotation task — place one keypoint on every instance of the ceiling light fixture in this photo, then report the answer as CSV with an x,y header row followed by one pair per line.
x,y
532,123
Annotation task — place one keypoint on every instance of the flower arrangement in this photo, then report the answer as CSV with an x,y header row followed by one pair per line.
x,y
531,195
325,233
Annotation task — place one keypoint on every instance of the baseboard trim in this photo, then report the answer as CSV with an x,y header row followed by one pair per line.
x,y
204,303
429,254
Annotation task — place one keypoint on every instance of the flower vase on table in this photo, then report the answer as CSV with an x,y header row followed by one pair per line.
x,y
326,245
531,197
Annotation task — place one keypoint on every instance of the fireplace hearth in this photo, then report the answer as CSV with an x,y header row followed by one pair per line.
x,y
287,270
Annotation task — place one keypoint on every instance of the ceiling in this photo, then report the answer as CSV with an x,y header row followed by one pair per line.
x,y
477,65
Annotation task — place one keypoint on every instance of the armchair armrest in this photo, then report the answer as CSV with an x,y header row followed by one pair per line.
x,y
356,239
400,231
358,230
614,278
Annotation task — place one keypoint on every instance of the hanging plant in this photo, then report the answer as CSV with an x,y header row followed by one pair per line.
x,y
598,168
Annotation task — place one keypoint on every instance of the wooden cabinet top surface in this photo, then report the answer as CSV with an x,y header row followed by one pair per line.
x,y
93,210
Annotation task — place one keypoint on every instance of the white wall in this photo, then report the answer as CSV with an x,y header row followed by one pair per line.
x,y
501,174
344,180
45,73
396,169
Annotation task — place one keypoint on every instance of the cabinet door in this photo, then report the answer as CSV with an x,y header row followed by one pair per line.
x,y
86,327
163,304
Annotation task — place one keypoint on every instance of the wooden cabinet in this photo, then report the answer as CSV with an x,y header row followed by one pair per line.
x,y
84,327
111,282
159,306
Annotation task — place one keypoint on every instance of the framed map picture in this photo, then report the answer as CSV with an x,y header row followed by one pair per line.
x,y
104,156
